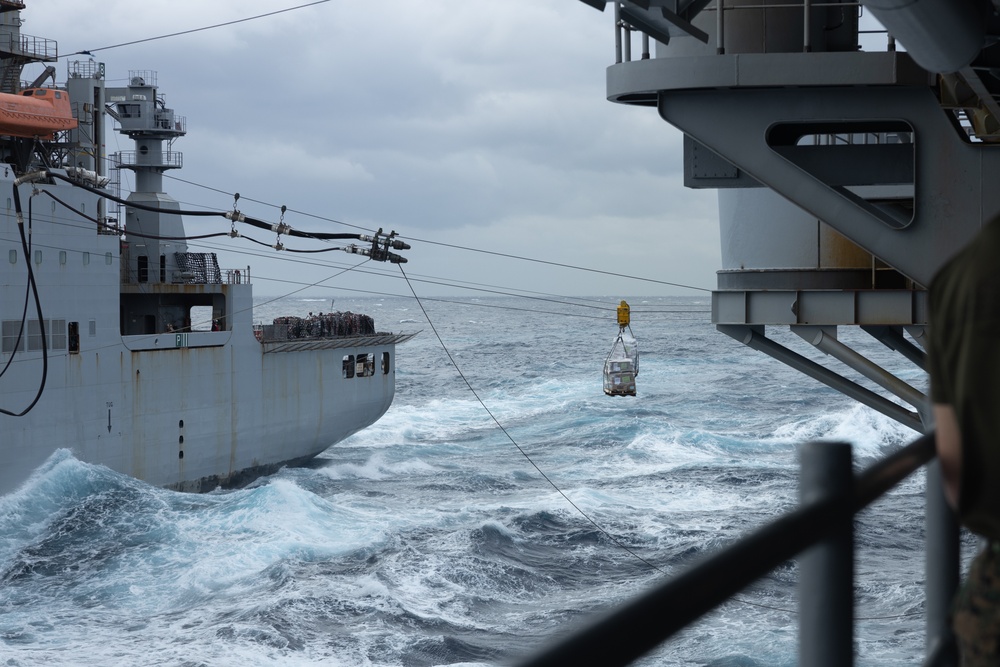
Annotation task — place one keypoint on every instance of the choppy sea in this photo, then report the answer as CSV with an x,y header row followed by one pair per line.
x,y
431,539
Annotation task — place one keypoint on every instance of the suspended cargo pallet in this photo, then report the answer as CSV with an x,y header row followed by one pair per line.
x,y
622,364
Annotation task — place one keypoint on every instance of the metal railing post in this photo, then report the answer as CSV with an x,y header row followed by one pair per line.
x,y
720,27
942,565
806,19
826,571
618,32
627,43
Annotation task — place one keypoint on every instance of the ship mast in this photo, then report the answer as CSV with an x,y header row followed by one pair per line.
x,y
143,116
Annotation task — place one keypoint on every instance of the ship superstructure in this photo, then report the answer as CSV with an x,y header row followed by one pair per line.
x,y
846,177
120,343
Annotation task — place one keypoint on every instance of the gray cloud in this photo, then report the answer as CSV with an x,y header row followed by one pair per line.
x,y
479,123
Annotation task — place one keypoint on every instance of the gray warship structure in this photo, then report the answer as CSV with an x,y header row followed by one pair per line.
x,y
848,170
120,343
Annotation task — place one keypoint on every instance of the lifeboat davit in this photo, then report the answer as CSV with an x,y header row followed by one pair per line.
x,y
36,112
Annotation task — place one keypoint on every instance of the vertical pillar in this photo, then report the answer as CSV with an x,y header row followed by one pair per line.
x,y
806,31
826,571
618,32
720,27
942,565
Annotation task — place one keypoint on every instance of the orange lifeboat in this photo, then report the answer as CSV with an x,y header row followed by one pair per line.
x,y
35,112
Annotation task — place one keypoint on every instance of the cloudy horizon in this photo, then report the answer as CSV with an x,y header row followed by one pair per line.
x,y
458,125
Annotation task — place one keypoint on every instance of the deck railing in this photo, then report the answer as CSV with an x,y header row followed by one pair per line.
x,y
820,531
623,28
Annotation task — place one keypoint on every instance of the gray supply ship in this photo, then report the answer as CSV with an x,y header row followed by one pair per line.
x,y
120,343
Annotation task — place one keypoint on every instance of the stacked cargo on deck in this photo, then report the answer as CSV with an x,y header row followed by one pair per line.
x,y
323,325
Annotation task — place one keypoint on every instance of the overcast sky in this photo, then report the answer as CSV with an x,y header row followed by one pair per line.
x,y
480,124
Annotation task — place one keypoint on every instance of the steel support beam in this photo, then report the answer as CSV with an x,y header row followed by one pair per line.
x,y
892,338
825,340
953,191
753,337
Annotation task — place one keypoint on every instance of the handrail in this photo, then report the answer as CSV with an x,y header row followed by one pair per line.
x,y
647,621
623,28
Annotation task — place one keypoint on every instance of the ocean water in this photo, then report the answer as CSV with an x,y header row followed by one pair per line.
x,y
433,538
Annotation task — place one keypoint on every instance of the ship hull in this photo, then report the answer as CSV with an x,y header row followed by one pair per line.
x,y
191,418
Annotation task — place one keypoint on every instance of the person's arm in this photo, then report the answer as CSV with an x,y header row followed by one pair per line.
x,y
948,441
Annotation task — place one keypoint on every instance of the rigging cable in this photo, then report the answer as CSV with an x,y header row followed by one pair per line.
x,y
560,264
196,237
33,286
460,247
20,331
496,421
380,243
481,287
551,483
90,52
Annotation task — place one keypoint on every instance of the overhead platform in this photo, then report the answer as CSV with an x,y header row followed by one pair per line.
x,y
815,315
830,307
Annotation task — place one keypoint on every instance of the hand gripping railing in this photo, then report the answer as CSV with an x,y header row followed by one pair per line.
x,y
822,527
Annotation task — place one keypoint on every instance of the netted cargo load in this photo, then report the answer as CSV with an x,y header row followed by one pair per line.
x,y
621,367
198,267
324,325
622,363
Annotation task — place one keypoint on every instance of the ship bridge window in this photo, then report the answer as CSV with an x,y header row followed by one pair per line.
x,y
58,95
348,366
385,363
129,110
